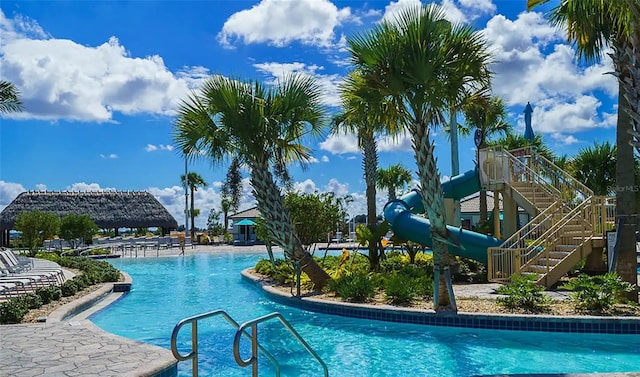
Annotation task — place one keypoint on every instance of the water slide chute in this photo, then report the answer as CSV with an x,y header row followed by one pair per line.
x,y
407,224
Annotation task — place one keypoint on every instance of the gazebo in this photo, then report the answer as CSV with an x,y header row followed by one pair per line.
x,y
108,209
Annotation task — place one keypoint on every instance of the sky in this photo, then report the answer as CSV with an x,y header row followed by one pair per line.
x,y
101,81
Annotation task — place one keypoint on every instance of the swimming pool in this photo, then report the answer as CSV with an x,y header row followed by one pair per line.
x,y
166,290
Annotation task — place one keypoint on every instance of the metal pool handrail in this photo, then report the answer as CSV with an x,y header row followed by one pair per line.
x,y
193,355
253,360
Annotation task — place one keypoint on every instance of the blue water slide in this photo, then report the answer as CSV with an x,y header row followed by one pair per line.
x,y
406,224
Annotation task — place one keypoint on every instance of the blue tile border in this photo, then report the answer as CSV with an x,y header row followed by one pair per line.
x,y
573,324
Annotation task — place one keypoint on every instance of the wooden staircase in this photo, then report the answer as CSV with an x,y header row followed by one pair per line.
x,y
566,216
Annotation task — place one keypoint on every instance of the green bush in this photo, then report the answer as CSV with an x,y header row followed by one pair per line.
x,y
355,287
599,293
265,267
393,262
49,294
13,311
69,288
31,300
400,289
523,293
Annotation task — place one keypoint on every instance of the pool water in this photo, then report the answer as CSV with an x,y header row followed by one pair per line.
x,y
165,290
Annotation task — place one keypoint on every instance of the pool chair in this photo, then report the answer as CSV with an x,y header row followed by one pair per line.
x,y
19,262
45,269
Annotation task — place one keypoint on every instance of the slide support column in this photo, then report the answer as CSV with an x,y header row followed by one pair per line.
x,y
509,215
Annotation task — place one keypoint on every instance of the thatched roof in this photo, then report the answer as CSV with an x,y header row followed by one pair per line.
x,y
108,209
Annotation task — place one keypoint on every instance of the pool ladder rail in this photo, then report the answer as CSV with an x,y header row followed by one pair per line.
x,y
241,330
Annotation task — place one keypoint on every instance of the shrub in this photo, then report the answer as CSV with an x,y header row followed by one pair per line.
x,y
523,292
12,311
600,292
265,267
355,287
31,300
400,289
51,293
69,288
393,262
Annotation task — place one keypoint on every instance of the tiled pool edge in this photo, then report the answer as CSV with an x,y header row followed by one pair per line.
x,y
575,324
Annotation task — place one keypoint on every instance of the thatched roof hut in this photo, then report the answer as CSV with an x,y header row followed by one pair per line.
x,y
108,209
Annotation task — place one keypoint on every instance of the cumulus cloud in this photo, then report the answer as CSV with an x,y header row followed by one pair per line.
x,y
8,192
61,79
455,11
325,158
108,156
340,144
328,82
533,64
280,22
82,186
161,147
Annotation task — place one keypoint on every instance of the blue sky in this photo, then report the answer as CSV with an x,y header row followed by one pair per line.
x,y
101,80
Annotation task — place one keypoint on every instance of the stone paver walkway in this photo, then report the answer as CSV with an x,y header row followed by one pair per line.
x,y
76,349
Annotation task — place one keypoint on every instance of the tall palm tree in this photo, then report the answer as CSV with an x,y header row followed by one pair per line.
x,y
9,98
263,127
366,114
594,25
394,177
487,115
596,167
417,61
193,181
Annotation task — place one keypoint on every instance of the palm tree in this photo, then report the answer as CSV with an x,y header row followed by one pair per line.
x,y
513,141
488,116
416,61
262,127
394,177
193,181
594,25
366,113
9,98
596,167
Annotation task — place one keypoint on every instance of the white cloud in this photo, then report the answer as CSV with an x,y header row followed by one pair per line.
x,y
325,158
162,147
61,79
280,22
533,64
340,144
109,156
400,143
329,83
455,11
82,186
307,186
8,192
41,187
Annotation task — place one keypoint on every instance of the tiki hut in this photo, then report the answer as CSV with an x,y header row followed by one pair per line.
x,y
108,209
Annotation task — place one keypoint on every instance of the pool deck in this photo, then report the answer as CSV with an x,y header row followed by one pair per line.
x,y
68,344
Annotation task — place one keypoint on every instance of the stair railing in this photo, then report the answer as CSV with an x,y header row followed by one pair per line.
x,y
253,359
503,262
193,355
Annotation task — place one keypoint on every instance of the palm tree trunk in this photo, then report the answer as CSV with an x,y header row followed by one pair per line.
x,y
370,162
625,182
392,193
278,223
192,214
433,202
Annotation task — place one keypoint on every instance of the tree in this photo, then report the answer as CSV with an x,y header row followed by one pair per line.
x,y
394,177
213,223
326,210
9,98
193,181
365,113
593,26
263,128
595,167
516,141
417,62
77,229
231,191
488,116
36,227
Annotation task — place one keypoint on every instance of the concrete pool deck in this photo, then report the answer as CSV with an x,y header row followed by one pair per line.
x,y
70,345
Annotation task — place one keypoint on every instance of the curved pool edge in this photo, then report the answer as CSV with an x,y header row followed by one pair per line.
x,y
160,361
515,322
